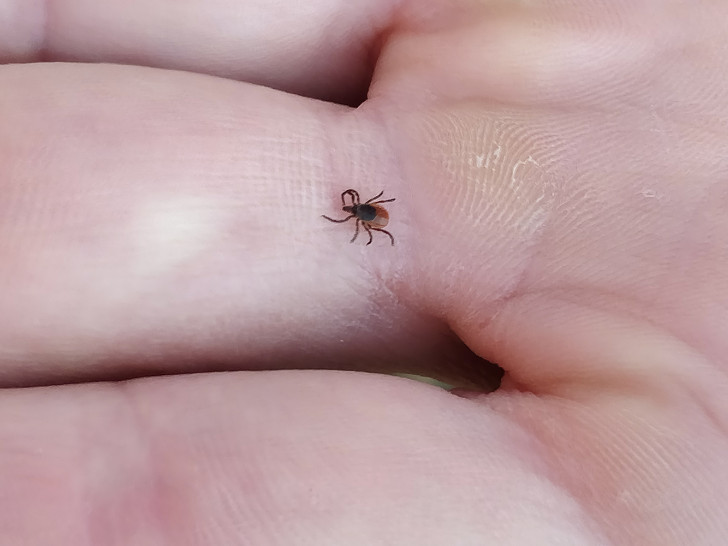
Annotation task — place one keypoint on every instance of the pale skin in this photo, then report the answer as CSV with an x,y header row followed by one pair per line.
x,y
561,175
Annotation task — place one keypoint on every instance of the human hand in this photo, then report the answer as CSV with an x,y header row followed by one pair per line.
x,y
560,175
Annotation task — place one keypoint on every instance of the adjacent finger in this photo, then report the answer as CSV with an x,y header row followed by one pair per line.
x,y
350,459
322,48
220,459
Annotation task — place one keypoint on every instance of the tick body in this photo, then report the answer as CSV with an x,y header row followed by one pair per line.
x,y
371,214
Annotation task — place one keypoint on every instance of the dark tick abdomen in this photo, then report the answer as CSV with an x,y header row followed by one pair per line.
x,y
366,213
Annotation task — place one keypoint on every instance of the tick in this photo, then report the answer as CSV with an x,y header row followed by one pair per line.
x,y
370,214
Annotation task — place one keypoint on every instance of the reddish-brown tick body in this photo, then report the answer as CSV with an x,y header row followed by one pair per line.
x,y
370,214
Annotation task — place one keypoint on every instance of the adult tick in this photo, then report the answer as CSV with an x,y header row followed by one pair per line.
x,y
371,214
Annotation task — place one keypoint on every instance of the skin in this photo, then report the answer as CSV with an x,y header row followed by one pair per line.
x,y
560,170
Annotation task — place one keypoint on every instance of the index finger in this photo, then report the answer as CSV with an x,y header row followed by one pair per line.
x,y
165,222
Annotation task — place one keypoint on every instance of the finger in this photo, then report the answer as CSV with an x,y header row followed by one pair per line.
x,y
320,48
345,459
575,241
157,221
557,55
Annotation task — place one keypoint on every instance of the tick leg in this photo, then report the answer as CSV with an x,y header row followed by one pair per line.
x,y
382,201
337,221
356,231
354,197
369,231
384,231
375,197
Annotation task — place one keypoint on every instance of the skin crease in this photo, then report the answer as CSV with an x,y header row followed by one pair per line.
x,y
560,172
